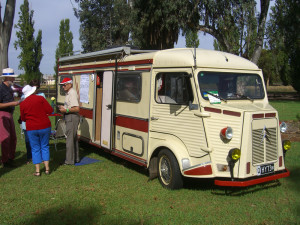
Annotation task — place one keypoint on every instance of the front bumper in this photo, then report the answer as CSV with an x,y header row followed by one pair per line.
x,y
253,180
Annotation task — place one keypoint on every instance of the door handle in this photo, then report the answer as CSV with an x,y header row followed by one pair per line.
x,y
202,114
154,118
108,106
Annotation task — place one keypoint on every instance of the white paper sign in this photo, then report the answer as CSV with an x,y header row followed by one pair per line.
x,y
84,88
213,97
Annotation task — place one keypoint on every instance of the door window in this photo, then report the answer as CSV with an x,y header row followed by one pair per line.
x,y
129,87
173,88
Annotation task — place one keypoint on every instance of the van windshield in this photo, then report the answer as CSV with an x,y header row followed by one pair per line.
x,y
230,86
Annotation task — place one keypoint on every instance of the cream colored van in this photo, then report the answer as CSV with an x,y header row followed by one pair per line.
x,y
180,113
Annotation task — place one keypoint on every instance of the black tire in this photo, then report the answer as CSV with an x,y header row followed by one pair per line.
x,y
168,170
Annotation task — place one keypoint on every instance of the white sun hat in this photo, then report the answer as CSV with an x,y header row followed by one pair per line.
x,y
8,72
28,90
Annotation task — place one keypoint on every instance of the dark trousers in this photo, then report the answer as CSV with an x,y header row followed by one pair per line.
x,y
28,147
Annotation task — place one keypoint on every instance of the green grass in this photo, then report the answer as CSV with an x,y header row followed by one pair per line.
x,y
115,191
287,110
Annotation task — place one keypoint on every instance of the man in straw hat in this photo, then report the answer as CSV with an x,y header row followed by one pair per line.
x,y
70,111
8,137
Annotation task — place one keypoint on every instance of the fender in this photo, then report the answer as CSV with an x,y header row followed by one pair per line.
x,y
173,143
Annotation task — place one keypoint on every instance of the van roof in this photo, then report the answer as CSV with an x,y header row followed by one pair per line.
x,y
176,57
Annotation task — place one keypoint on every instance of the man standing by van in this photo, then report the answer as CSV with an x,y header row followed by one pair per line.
x,y
70,111
8,137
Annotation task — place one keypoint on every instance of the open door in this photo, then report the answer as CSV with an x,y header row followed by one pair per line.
x,y
99,93
107,109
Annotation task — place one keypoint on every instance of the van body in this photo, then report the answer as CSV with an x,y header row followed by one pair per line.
x,y
180,113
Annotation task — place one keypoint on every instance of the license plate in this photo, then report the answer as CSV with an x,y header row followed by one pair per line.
x,y
265,169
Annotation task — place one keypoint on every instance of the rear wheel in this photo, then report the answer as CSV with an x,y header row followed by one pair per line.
x,y
168,170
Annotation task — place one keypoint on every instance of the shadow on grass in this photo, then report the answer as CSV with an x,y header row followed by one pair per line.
x,y
68,214
20,159
208,184
89,149
190,183
294,181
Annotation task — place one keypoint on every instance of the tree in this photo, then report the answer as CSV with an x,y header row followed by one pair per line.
x,y
103,23
275,44
31,47
191,39
234,25
268,63
157,23
65,45
5,31
287,21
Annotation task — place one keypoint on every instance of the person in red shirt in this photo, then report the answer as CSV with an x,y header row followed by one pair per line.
x,y
34,111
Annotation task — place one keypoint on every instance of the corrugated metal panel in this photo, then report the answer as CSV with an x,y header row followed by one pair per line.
x,y
181,122
222,147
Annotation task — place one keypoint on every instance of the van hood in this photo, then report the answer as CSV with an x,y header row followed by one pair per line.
x,y
247,107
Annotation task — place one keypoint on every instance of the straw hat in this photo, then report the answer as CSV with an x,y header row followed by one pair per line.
x,y
8,72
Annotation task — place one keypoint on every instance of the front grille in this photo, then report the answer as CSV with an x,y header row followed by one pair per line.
x,y
264,145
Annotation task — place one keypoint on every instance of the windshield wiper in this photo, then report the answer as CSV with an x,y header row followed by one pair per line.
x,y
244,97
216,96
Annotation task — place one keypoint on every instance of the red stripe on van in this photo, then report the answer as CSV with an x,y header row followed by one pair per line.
x,y
209,109
268,115
231,113
256,116
132,123
203,170
87,113
137,62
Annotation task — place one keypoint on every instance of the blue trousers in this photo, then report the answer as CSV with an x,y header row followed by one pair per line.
x,y
39,142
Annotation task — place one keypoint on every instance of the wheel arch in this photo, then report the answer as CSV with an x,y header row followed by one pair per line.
x,y
173,144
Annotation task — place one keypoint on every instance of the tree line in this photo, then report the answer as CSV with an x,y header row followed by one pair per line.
x,y
237,26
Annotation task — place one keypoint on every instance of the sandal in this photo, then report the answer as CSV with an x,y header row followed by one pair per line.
x,y
37,174
47,172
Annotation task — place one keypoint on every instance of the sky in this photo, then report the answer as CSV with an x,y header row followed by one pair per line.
x,y
47,16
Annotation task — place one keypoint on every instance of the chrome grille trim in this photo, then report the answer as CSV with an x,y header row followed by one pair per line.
x,y
264,150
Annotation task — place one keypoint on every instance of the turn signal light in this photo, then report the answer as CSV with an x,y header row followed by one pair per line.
x,y
286,145
227,133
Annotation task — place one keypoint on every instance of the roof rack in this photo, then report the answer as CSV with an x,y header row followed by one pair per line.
x,y
111,51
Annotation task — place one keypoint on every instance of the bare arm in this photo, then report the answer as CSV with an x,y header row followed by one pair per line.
x,y
74,109
8,104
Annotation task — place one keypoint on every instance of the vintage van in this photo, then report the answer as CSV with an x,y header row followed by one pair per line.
x,y
180,113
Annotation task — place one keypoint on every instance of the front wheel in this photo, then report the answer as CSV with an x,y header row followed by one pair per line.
x,y
168,170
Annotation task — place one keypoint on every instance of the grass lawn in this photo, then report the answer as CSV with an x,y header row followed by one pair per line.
x,y
287,110
114,191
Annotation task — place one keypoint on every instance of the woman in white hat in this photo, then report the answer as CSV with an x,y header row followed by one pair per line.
x,y
34,111
8,137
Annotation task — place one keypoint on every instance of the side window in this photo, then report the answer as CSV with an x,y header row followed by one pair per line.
x,y
173,88
61,90
129,87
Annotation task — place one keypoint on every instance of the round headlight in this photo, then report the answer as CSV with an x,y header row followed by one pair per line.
x,y
283,127
227,133
236,154
286,145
